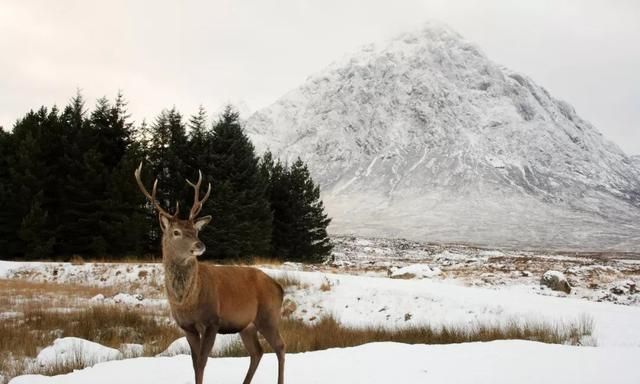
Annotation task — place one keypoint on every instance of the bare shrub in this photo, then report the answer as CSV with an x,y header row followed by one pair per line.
x,y
326,285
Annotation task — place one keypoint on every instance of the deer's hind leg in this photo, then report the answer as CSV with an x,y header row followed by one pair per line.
x,y
249,337
272,335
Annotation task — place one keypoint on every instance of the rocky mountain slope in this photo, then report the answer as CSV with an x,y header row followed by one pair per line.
x,y
424,137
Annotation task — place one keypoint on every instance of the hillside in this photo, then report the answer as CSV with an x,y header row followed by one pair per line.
x,y
425,137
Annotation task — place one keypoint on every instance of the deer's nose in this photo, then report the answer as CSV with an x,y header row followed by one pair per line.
x,y
198,248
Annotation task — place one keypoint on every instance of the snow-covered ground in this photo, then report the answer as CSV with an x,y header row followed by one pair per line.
x,y
605,276
495,362
395,284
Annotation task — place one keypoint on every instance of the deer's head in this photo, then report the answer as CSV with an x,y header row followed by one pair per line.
x,y
179,237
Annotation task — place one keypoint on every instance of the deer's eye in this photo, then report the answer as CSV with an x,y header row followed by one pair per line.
x,y
176,233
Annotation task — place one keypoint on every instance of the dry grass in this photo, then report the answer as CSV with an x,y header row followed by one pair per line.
x,y
326,285
76,260
105,324
259,260
31,288
328,333
37,326
112,326
15,292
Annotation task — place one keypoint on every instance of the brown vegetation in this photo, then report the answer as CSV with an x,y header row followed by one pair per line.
x,y
329,333
38,327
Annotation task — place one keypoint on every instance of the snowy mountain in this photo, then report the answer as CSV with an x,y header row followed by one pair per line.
x,y
425,137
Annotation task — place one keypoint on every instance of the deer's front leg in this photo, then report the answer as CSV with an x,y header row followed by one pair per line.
x,y
193,337
207,340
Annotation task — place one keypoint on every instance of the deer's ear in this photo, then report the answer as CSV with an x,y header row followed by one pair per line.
x,y
201,222
165,223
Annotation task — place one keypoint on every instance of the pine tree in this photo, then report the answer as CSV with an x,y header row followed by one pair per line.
x,y
122,224
7,222
198,151
242,217
35,233
81,182
299,221
31,169
198,127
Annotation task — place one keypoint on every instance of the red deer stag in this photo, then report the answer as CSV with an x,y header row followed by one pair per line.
x,y
205,299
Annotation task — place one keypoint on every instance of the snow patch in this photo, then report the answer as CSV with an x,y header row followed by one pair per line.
x,y
73,349
415,271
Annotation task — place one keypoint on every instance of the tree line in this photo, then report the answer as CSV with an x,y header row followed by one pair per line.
x,y
67,186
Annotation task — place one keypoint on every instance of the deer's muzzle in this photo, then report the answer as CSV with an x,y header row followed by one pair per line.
x,y
198,248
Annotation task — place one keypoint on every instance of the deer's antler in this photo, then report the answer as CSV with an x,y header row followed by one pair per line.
x,y
152,196
197,203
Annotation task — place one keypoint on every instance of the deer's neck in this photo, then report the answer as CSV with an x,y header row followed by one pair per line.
x,y
181,279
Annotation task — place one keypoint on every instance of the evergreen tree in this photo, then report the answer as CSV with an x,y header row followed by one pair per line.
x,y
168,155
122,222
198,127
241,223
310,238
31,166
299,221
35,233
199,136
82,185
7,222
66,186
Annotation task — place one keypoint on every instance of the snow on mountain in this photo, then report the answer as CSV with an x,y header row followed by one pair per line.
x,y
425,137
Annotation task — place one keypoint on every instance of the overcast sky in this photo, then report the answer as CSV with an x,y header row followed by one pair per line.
x,y
187,53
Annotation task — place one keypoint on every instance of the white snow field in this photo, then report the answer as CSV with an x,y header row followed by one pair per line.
x,y
363,301
382,301
495,362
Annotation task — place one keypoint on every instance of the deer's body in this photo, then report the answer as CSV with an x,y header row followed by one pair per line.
x,y
248,296
206,300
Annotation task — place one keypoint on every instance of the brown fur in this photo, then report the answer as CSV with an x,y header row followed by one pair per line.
x,y
206,300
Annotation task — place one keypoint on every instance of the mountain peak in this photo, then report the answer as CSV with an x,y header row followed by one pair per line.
x,y
425,137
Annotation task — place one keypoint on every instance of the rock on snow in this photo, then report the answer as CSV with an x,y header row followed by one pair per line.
x,y
556,281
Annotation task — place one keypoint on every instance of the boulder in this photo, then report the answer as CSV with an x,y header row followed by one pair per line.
x,y
556,281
